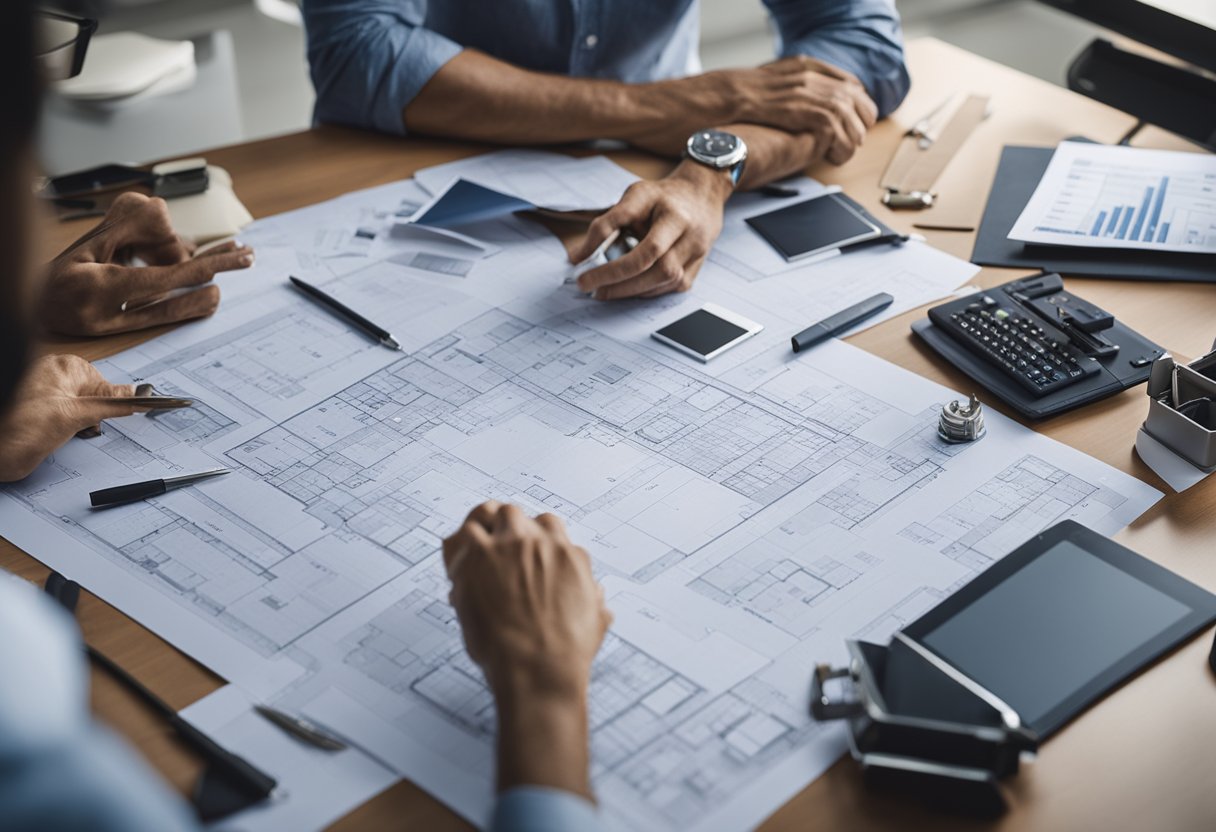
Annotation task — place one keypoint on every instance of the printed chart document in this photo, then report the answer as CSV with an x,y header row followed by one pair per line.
x,y
745,516
1123,197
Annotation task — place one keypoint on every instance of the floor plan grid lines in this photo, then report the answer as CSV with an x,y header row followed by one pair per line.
x,y
744,517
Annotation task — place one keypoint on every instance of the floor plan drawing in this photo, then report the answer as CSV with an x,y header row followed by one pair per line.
x,y
745,517
1014,505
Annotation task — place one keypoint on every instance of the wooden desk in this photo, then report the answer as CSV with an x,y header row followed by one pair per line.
x,y
1141,759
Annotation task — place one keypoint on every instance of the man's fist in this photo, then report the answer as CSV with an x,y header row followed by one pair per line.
x,y
530,608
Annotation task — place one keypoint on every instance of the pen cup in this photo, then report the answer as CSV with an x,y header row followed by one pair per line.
x,y
1186,427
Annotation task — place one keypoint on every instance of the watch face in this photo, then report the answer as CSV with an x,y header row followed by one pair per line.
x,y
714,143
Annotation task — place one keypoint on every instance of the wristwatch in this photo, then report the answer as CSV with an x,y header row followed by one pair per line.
x,y
719,150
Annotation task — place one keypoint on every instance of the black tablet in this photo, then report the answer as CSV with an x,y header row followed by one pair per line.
x,y
1061,621
820,224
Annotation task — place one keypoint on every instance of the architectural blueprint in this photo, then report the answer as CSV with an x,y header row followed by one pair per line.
x,y
745,517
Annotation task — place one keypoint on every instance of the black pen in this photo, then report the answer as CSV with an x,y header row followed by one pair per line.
x,y
331,303
131,492
841,322
890,239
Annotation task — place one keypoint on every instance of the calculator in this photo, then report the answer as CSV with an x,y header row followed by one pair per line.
x,y
1007,337
1037,346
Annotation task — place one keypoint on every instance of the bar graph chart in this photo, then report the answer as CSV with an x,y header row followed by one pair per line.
x,y
1122,197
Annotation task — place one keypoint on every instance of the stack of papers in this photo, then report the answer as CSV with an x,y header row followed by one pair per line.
x,y
744,517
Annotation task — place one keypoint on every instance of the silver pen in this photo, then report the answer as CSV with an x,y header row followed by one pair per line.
x,y
302,729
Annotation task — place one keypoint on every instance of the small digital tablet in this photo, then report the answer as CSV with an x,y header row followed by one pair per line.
x,y
821,224
707,332
1062,620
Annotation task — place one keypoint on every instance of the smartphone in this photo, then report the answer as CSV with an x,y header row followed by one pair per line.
x,y
707,333
96,180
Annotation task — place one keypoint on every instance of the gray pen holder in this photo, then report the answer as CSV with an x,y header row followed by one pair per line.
x,y
1181,434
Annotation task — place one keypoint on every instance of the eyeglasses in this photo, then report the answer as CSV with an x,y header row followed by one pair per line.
x,y
62,41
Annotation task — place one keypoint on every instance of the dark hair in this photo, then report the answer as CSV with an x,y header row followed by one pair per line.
x,y
20,95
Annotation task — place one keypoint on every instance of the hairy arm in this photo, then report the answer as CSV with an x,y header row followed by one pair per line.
x,y
475,96
373,65
772,153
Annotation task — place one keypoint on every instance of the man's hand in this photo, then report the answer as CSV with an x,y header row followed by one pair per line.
x,y
529,606
91,289
804,95
57,398
677,219
533,618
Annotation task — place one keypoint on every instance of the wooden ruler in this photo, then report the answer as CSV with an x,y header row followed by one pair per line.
x,y
928,148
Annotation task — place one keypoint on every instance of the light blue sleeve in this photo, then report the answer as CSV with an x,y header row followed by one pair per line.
x,y
537,809
60,772
369,58
94,784
861,36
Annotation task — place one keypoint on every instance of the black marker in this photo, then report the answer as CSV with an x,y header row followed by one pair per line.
x,y
841,321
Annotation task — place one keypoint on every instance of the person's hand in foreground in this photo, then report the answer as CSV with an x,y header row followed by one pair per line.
x,y
533,618
59,396
92,288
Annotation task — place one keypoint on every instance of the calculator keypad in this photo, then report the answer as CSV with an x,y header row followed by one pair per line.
x,y
1018,345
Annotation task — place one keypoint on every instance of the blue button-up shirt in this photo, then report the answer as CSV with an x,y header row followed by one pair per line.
x,y
369,58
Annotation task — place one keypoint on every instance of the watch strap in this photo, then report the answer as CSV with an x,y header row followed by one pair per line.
x,y
736,171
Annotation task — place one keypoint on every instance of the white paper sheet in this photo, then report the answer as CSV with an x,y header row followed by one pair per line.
x,y
315,787
745,516
1176,471
1105,196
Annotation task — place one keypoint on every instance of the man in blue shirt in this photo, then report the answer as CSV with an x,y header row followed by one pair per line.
x,y
527,72
531,611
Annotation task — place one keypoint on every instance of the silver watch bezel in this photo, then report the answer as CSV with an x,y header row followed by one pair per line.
x,y
723,162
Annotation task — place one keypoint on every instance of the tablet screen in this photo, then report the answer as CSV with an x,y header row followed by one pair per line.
x,y
807,228
1052,628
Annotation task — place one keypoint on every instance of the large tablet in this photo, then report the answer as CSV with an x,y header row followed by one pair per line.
x,y
1061,621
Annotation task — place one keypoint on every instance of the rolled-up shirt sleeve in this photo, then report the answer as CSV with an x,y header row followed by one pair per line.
x,y
370,58
537,809
861,36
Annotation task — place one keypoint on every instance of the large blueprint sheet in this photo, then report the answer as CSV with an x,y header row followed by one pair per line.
x,y
745,517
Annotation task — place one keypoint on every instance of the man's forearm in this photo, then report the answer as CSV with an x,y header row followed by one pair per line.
x,y
542,735
475,96
772,154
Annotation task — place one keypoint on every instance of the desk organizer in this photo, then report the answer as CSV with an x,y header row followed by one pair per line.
x,y
1186,438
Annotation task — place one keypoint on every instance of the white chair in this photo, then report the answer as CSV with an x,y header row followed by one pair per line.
x,y
78,135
